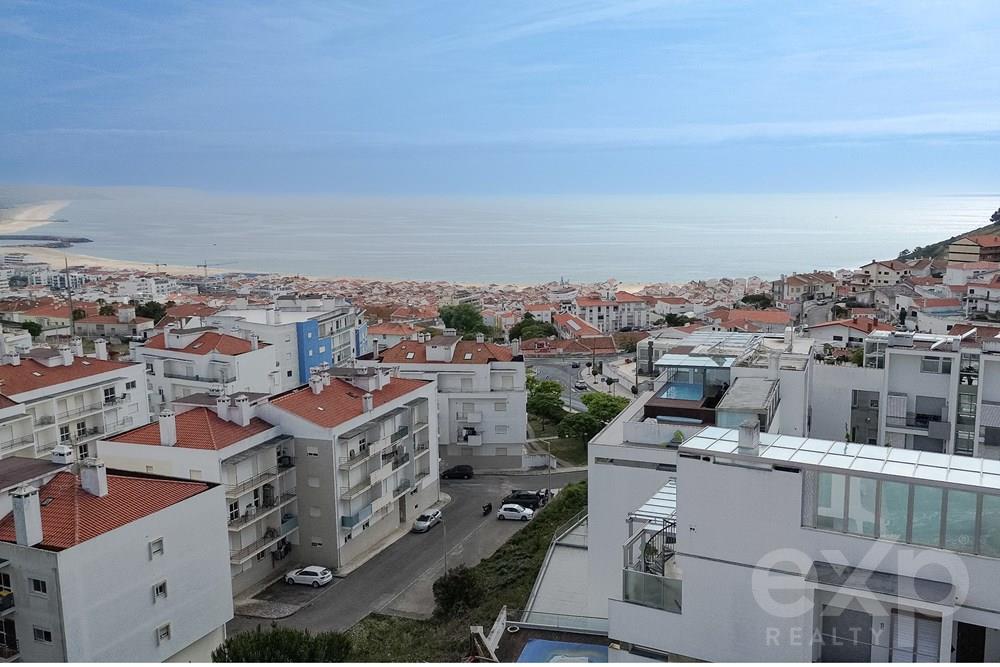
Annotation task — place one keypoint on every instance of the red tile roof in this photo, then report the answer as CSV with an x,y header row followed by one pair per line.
x,y
191,310
985,240
31,375
198,428
573,326
209,341
392,329
466,352
862,324
112,319
73,516
758,316
340,401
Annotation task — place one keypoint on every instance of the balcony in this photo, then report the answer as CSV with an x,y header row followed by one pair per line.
x,y
241,522
76,412
400,461
473,440
358,488
16,443
45,420
401,488
6,602
239,488
470,417
360,516
400,433
197,377
239,556
9,653
650,576
112,401
422,474
912,420
362,455
421,448
288,525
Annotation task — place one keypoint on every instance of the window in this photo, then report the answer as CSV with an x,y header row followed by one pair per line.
x,y
42,635
149,469
156,548
989,527
935,365
159,590
109,394
312,451
861,506
64,434
500,406
312,482
38,587
262,555
316,542
314,511
83,451
163,633
500,429
925,526
234,510
288,374
130,385
960,521
81,429
894,510
830,505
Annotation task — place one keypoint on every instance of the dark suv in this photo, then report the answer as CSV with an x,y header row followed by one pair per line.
x,y
530,499
457,472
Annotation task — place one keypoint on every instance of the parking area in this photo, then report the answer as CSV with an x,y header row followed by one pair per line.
x,y
294,594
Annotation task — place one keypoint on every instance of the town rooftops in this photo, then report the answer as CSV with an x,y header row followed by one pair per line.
x,y
862,324
31,374
985,240
748,393
111,319
392,329
71,515
466,352
340,401
574,326
209,341
198,428
874,460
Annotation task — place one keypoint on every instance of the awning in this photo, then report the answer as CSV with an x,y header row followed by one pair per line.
x,y
882,583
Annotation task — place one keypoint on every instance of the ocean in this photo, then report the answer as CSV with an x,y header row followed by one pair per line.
x,y
522,240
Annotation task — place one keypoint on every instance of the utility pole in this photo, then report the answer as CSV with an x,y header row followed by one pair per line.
x,y
69,294
444,541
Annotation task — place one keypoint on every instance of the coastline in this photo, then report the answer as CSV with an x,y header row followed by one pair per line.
x,y
31,216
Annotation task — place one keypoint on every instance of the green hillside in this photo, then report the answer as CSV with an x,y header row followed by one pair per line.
x,y
939,248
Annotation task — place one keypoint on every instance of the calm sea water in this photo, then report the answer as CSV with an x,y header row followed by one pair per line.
x,y
633,239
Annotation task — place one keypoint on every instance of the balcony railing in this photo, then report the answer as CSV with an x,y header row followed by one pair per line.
x,y
348,462
257,514
80,411
650,576
8,445
197,377
45,420
912,419
400,433
6,601
239,488
358,488
421,448
360,516
289,524
470,417
269,538
402,487
400,461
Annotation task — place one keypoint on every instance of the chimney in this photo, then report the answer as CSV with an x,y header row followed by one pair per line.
x,y
27,510
316,384
126,314
61,455
254,341
101,349
270,316
773,363
325,377
76,345
66,354
243,411
367,403
515,347
749,442
480,338
450,332
168,428
94,477
375,350
12,358
222,407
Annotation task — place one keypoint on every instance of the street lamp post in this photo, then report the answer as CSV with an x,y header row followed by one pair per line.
x,y
444,541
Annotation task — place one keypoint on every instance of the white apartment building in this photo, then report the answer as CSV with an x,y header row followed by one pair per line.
x,y
612,311
366,452
123,324
481,396
768,548
112,567
147,288
305,332
58,396
387,334
220,439
181,362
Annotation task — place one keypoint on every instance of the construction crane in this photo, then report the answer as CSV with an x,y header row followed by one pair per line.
x,y
204,265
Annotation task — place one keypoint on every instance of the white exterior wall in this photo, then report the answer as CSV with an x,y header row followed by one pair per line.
x,y
830,401
903,376
281,338
100,605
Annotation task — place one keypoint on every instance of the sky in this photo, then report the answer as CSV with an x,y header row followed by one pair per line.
x,y
502,97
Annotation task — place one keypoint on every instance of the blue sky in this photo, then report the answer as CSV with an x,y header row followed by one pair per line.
x,y
503,97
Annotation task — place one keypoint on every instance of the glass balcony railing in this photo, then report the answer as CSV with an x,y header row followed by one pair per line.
x,y
360,516
651,590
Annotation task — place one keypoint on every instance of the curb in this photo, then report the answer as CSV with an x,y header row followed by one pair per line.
x,y
528,473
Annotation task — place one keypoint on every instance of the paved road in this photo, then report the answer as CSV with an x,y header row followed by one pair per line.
x,y
562,371
817,314
400,577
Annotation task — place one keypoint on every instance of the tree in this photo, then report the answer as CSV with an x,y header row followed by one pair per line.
x,y
858,357
154,310
902,315
106,310
839,312
465,318
34,328
78,314
545,398
672,320
604,407
582,425
279,644
759,301
995,218
456,591
529,328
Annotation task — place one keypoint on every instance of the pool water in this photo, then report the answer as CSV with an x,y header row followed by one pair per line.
x,y
545,650
682,391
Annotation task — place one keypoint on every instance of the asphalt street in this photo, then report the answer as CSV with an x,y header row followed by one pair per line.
x,y
562,371
398,579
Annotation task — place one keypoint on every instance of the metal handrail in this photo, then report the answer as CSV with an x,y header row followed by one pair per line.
x,y
357,489
79,411
400,433
10,444
402,487
246,485
197,377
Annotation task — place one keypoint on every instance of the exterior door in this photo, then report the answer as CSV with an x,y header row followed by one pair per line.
x,y
970,643
847,635
915,637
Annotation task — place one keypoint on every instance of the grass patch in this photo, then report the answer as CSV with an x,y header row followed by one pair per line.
x,y
507,577
570,450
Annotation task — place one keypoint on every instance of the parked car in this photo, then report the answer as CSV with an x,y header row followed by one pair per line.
x,y
580,385
530,499
426,521
313,575
575,364
457,472
514,512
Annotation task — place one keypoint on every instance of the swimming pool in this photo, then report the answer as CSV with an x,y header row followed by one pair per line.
x,y
682,391
546,650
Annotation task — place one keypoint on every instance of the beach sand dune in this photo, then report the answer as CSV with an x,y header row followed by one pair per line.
x,y
23,218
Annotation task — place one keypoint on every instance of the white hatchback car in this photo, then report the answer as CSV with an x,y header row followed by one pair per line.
x,y
514,512
313,575
426,521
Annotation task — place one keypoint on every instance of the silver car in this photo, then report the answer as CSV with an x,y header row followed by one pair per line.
x,y
426,521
